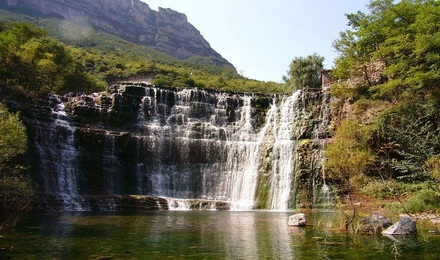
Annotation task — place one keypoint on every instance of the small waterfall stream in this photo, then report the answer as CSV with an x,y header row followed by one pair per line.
x,y
59,157
185,144
284,158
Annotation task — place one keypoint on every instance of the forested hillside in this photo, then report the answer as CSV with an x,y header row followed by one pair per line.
x,y
94,59
388,96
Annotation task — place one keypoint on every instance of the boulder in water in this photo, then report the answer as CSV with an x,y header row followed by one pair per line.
x,y
374,223
297,220
405,226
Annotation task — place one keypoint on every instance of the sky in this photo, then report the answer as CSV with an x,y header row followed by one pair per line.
x,y
261,37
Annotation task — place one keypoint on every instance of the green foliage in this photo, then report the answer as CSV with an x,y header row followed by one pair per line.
x,y
390,188
422,201
16,194
13,138
16,191
304,72
393,50
415,130
391,58
432,167
39,63
349,154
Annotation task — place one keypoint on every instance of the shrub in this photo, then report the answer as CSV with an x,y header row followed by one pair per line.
x,y
16,194
425,200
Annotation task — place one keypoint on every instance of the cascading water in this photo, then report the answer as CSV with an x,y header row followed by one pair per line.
x,y
284,160
244,161
59,157
183,144
322,193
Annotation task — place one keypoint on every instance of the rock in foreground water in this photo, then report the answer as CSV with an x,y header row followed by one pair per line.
x,y
405,226
374,223
297,220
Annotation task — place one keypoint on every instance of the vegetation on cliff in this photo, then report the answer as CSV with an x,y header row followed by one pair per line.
x,y
94,59
33,60
304,72
390,57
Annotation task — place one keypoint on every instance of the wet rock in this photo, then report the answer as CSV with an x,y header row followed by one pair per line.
x,y
297,220
374,223
405,226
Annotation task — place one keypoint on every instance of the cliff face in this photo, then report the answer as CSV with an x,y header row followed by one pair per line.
x,y
165,30
251,151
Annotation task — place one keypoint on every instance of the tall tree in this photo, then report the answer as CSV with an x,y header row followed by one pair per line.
x,y
16,191
304,72
31,59
392,54
394,50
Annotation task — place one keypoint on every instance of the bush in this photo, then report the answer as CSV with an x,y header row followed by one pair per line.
x,y
16,194
380,189
16,191
425,200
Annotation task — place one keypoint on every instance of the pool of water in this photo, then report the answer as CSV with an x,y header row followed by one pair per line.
x,y
202,235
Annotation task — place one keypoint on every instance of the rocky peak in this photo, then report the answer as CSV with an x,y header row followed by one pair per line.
x,y
165,30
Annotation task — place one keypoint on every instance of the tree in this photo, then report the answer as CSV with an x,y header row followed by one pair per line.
x,y
16,191
415,130
13,139
348,157
348,154
403,38
392,55
33,60
304,72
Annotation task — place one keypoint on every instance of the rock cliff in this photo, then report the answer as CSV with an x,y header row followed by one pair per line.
x,y
195,147
165,30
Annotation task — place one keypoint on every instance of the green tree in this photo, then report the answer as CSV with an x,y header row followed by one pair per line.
x,y
348,157
414,128
304,72
391,55
39,63
348,154
13,137
16,191
394,50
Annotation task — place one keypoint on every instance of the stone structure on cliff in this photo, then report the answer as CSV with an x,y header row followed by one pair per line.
x,y
165,30
191,146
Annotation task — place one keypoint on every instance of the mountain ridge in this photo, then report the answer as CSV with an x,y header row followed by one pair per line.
x,y
165,30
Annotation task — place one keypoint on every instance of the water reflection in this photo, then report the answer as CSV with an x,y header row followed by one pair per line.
x,y
201,235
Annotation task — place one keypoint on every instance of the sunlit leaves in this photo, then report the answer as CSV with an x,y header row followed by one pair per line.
x,y
13,138
304,72
348,154
37,62
405,35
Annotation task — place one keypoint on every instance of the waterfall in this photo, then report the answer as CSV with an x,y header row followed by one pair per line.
x,y
244,161
182,144
322,194
58,158
284,160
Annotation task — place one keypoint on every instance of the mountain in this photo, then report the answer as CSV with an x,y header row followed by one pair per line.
x,y
165,30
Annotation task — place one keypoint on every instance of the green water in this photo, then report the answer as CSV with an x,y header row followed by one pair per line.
x,y
201,235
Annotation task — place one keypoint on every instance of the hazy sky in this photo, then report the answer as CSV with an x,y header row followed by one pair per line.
x,y
261,37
